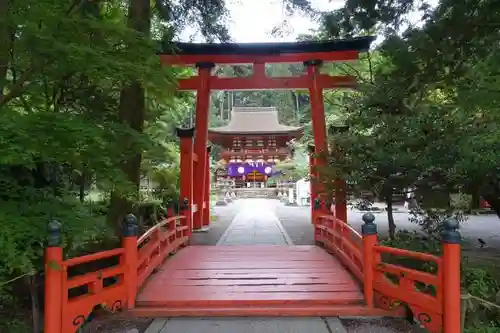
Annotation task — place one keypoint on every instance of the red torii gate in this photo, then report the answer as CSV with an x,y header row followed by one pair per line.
x,y
195,180
126,283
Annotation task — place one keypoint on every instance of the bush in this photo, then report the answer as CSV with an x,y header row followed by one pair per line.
x,y
22,239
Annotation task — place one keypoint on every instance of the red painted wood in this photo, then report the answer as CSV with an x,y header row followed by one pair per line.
x,y
206,209
250,59
186,179
200,144
234,276
255,82
318,129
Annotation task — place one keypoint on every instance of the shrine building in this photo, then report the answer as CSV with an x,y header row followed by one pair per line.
x,y
254,141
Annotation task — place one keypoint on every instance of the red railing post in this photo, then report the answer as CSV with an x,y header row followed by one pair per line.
x,y
451,239
53,280
186,174
206,204
130,258
369,232
312,176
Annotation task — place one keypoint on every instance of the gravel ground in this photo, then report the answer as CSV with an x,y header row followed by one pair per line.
x,y
379,325
296,225
223,215
117,323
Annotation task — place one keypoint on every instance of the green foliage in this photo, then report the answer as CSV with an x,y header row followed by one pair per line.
x,y
67,128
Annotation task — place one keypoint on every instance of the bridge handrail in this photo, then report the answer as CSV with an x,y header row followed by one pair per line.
x,y
388,285
395,284
157,243
113,283
343,240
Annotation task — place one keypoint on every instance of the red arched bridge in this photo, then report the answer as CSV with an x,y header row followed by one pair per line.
x,y
158,274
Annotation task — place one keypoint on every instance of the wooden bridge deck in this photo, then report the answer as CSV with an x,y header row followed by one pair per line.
x,y
251,280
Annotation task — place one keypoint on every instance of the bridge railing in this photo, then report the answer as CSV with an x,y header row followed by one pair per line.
x,y
157,243
110,279
433,298
343,241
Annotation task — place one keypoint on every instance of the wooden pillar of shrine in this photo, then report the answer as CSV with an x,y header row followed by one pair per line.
x,y
206,207
312,179
319,130
186,173
200,143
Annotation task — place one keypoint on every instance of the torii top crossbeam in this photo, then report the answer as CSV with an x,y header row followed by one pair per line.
x,y
258,54
250,53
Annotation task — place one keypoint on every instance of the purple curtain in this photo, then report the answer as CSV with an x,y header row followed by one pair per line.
x,y
243,169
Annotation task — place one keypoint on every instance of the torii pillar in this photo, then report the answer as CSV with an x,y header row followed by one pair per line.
x,y
186,175
319,132
200,142
206,207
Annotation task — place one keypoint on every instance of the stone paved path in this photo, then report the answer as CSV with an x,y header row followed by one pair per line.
x,y
255,223
247,325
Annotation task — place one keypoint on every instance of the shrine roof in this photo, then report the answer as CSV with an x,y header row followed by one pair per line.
x,y
255,121
359,44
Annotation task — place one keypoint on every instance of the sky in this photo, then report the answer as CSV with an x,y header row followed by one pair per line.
x,y
252,21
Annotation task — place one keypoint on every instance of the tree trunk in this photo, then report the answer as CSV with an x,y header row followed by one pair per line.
x,y
390,215
31,282
81,187
81,190
131,112
476,199
5,41
221,106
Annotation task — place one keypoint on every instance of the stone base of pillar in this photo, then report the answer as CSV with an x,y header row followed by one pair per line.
x,y
204,229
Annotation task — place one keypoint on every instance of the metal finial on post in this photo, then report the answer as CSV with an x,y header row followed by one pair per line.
x,y
54,238
185,203
450,234
369,227
130,226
